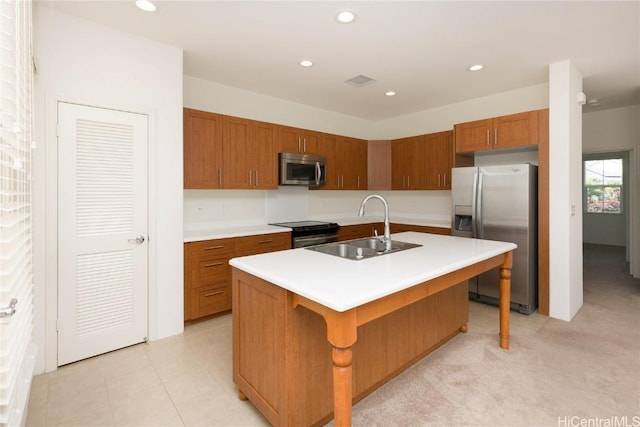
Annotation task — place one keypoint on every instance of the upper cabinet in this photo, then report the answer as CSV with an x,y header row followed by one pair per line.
x,y
294,140
202,149
514,130
379,165
249,154
346,162
422,162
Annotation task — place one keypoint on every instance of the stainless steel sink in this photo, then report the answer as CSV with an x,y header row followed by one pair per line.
x,y
361,248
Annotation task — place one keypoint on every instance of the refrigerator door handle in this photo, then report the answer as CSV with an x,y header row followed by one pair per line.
x,y
479,233
474,213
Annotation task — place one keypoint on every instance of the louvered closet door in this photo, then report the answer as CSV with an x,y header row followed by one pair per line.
x,y
102,209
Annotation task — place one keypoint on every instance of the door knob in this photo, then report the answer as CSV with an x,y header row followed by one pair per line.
x,y
138,240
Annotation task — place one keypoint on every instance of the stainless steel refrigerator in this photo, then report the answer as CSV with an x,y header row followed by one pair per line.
x,y
500,203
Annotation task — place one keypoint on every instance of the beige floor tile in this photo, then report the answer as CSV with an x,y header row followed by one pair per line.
x,y
208,411
125,361
71,400
196,384
99,417
132,387
146,408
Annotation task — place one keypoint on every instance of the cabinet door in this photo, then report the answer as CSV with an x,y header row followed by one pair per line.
x,y
379,165
515,130
361,163
439,156
202,149
265,155
328,150
418,170
400,163
311,141
289,140
237,153
474,136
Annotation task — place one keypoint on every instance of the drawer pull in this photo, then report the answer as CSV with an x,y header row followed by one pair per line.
x,y
265,241
212,294
214,247
214,264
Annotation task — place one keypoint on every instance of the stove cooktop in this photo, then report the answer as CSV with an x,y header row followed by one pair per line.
x,y
295,224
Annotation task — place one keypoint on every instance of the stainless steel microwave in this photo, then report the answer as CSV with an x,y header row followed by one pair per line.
x,y
301,169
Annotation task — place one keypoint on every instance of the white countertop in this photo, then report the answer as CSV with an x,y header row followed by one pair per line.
x,y
342,284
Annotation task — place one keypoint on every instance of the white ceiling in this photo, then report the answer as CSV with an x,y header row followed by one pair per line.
x,y
420,49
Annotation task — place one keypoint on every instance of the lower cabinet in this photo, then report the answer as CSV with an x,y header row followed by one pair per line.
x,y
207,273
359,231
399,228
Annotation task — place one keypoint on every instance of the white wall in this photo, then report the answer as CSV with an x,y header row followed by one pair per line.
x,y
565,188
83,62
607,131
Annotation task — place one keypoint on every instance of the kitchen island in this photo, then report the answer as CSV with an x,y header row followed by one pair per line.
x,y
313,332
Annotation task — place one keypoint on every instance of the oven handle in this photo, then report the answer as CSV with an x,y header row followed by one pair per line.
x,y
301,242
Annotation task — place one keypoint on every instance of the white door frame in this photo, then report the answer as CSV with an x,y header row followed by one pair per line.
x,y
50,219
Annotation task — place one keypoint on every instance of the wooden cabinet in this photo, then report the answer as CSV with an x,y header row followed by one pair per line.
x,y
346,162
207,273
207,286
359,231
202,149
422,162
438,158
295,140
379,165
399,228
514,130
249,153
406,154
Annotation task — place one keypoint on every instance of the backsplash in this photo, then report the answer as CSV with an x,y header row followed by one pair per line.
x,y
229,208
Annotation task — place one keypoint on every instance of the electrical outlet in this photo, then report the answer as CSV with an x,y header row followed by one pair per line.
x,y
573,210
199,210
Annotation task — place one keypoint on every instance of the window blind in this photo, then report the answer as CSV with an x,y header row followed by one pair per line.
x,y
17,351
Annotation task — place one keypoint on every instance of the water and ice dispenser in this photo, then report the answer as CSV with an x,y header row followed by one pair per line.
x,y
462,221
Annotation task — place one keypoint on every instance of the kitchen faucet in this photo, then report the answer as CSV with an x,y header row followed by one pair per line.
x,y
387,234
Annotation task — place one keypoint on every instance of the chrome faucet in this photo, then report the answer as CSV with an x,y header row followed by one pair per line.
x,y
387,234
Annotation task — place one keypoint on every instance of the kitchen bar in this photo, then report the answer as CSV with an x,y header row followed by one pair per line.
x,y
269,291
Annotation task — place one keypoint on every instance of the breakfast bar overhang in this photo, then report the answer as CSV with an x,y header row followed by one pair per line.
x,y
278,298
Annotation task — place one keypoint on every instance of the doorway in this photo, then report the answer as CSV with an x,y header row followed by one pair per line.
x,y
102,230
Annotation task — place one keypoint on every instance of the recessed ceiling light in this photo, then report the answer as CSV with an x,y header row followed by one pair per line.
x,y
346,16
305,63
390,93
146,5
476,67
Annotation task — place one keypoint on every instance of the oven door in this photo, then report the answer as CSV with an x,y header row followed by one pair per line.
x,y
304,241
301,169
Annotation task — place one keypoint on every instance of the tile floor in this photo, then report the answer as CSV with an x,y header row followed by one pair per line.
x,y
181,380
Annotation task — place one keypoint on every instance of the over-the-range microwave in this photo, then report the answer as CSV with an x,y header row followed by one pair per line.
x,y
301,169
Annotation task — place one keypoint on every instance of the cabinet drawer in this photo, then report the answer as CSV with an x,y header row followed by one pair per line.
x,y
210,271
212,247
357,231
263,242
211,299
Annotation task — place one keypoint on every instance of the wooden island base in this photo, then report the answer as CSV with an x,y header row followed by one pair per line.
x,y
283,363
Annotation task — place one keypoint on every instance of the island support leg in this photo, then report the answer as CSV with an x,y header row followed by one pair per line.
x,y
342,385
505,299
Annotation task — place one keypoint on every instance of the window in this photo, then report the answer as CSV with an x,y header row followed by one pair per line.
x,y
603,186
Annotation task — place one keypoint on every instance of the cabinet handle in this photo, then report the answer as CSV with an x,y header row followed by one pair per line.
x,y
299,144
438,180
249,178
488,143
213,247
495,136
408,181
212,294
214,264
304,145
256,178
265,241
445,180
220,177
358,181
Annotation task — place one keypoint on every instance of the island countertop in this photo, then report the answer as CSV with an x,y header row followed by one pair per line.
x,y
342,284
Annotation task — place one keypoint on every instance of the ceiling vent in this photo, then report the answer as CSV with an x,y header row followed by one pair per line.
x,y
360,81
